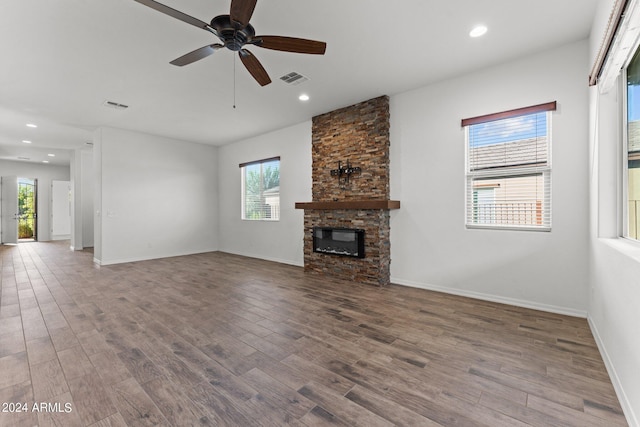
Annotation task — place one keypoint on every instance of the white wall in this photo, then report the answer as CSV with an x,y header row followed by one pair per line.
x,y
273,240
156,197
60,210
44,174
615,262
430,246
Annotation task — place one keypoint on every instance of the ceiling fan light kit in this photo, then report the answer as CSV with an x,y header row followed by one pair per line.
x,y
235,32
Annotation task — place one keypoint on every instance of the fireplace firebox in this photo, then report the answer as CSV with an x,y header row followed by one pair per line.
x,y
339,241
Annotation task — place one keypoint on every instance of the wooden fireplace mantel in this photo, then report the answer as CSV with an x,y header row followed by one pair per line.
x,y
350,204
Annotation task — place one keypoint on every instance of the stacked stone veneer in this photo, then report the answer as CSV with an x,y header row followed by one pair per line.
x,y
359,134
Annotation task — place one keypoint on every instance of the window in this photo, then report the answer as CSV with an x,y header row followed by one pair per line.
x,y
632,83
261,189
508,169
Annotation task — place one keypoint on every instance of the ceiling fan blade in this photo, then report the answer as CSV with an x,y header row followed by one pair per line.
x,y
291,44
196,55
254,67
176,14
241,11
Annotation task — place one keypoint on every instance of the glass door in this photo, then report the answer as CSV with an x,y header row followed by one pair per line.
x,y
27,208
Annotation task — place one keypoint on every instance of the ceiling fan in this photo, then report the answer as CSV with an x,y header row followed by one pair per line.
x,y
235,31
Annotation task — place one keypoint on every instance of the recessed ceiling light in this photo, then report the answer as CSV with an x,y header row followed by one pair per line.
x,y
31,125
26,142
303,97
478,31
51,155
45,161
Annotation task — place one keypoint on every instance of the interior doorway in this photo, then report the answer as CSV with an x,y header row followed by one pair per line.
x,y
27,210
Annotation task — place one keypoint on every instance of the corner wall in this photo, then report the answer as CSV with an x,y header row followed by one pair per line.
x,y
430,246
279,241
155,197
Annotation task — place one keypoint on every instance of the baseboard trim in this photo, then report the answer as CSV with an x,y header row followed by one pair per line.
x,y
494,298
126,260
147,258
278,260
627,408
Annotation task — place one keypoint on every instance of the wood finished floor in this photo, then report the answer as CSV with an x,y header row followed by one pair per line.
x,y
218,339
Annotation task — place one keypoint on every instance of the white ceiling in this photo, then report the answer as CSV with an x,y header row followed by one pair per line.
x,y
62,59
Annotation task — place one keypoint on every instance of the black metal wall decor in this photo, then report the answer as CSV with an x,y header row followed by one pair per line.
x,y
344,172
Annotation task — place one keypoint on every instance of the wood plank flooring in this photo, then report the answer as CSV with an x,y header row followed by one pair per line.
x,y
221,340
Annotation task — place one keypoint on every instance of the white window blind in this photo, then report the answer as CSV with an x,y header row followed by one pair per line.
x,y
508,172
620,39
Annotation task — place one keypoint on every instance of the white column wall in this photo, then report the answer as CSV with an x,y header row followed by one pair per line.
x,y
82,177
76,201
87,188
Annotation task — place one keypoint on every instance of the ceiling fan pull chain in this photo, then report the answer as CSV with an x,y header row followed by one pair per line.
x,y
234,81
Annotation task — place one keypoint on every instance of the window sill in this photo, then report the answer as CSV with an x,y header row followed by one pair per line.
x,y
627,247
506,227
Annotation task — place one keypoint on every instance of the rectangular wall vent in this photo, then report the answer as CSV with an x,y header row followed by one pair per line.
x,y
115,105
294,78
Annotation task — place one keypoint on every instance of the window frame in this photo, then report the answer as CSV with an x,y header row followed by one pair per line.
x,y
243,202
505,173
624,96
624,141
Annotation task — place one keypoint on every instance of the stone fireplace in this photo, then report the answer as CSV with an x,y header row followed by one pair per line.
x,y
356,136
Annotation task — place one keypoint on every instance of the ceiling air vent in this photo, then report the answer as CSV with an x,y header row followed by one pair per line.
x,y
115,105
294,78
